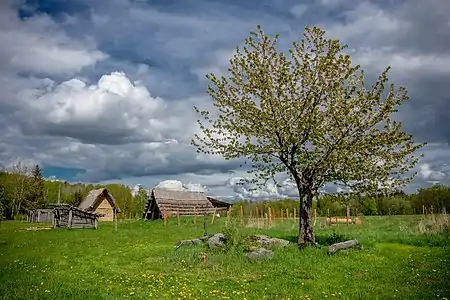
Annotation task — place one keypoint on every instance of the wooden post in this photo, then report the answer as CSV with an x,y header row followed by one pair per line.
x,y
423,209
115,219
195,215
205,228
282,215
213,216
164,215
59,193
178,216
228,215
130,220
69,222
287,213
348,214
270,216
257,213
241,213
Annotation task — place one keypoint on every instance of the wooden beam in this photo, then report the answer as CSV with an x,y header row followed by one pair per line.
x,y
69,222
115,220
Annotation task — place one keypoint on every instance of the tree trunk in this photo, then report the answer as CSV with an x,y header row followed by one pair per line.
x,y
306,234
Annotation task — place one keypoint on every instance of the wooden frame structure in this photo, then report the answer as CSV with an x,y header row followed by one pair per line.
x,y
72,217
40,215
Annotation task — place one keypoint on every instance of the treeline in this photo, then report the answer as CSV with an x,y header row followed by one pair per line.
x,y
23,188
435,199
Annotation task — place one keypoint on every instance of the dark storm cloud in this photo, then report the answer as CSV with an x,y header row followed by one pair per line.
x,y
56,53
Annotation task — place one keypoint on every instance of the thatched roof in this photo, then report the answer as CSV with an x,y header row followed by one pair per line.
x,y
66,207
95,197
218,203
182,202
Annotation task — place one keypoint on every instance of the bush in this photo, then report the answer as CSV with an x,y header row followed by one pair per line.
x,y
235,238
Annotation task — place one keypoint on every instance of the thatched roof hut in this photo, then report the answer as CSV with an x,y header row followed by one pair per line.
x,y
172,203
100,201
219,204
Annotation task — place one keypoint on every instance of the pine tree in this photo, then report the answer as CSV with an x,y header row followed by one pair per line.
x,y
36,197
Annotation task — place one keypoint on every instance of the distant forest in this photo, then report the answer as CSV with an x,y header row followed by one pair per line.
x,y
435,199
24,188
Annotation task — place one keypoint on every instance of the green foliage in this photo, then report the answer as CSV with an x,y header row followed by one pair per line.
x,y
332,238
370,207
139,203
235,238
308,114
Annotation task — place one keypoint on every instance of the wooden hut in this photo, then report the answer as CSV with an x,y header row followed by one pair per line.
x,y
219,204
102,202
72,217
40,215
172,203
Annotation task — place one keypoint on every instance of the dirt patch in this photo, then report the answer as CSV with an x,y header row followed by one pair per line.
x,y
361,274
430,280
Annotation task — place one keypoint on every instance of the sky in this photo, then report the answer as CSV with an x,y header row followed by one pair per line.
x,y
103,91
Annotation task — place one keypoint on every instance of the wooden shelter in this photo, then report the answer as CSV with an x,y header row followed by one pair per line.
x,y
219,204
72,217
40,215
102,202
173,203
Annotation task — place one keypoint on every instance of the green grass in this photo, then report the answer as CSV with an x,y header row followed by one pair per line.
x,y
139,261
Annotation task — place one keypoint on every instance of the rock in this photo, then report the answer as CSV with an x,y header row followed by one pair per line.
x,y
217,241
343,245
196,241
268,242
260,253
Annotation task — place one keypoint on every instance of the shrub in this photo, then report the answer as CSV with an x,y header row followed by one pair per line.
x,y
235,238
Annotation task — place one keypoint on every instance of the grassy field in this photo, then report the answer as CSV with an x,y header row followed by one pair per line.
x,y
139,261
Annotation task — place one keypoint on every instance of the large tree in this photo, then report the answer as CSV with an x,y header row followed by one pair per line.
x,y
19,187
308,114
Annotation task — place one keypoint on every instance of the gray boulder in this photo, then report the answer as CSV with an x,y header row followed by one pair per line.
x,y
260,253
217,241
195,241
268,242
